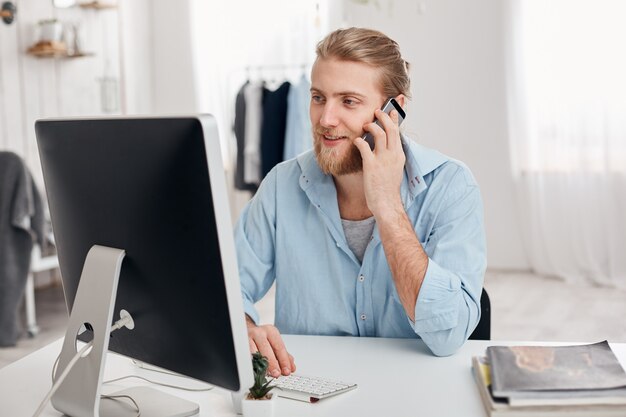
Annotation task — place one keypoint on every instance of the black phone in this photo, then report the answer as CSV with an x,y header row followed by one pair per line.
x,y
389,105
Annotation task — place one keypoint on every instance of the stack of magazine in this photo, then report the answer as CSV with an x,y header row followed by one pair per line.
x,y
551,381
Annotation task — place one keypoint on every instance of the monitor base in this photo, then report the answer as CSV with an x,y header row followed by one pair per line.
x,y
79,393
151,402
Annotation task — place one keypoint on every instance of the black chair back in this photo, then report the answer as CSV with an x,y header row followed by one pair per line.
x,y
483,330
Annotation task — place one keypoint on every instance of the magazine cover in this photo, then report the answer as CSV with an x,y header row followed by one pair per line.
x,y
532,368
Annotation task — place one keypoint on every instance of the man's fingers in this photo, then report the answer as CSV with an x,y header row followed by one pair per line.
x,y
266,350
363,147
293,363
280,351
267,340
389,123
380,138
253,347
395,141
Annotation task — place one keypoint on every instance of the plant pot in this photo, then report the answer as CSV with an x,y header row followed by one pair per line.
x,y
50,30
259,408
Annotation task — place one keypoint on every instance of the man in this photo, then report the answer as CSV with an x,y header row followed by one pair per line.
x,y
386,242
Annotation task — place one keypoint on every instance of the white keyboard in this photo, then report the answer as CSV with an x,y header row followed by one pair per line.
x,y
309,389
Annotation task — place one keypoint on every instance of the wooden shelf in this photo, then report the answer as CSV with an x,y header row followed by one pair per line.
x,y
97,5
59,54
49,49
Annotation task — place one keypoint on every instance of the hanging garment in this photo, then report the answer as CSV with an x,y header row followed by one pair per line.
x,y
273,127
298,136
240,134
253,94
21,221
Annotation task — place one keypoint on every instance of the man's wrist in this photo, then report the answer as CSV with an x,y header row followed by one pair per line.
x,y
390,211
250,322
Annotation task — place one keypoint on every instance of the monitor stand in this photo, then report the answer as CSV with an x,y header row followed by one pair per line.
x,y
79,394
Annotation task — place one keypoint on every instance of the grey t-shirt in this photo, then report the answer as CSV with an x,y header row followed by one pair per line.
x,y
358,234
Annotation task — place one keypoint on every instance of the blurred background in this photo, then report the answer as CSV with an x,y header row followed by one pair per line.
x,y
530,94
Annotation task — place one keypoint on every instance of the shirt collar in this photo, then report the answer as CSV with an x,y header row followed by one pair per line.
x,y
420,161
311,173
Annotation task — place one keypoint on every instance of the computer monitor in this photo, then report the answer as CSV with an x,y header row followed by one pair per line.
x,y
155,188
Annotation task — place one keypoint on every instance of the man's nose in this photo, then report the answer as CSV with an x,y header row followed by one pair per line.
x,y
329,116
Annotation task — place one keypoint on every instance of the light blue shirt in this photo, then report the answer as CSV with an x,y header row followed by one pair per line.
x,y
291,233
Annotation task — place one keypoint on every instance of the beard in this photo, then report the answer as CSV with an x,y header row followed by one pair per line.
x,y
335,161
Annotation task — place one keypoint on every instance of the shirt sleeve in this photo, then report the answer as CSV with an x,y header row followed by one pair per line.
x,y
255,234
448,305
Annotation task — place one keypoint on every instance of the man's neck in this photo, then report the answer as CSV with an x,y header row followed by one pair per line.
x,y
351,197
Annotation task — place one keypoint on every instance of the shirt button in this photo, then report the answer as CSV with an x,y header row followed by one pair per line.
x,y
363,316
361,278
338,244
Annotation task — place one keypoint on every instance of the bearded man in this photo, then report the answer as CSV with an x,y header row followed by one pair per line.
x,y
382,242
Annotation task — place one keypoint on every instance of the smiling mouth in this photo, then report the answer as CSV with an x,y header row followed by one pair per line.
x,y
327,137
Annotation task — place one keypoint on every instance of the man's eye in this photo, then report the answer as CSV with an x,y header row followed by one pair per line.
x,y
349,102
317,99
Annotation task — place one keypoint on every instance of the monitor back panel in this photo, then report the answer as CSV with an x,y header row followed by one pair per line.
x,y
142,185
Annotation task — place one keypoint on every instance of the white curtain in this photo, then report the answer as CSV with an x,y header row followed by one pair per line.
x,y
276,38
568,136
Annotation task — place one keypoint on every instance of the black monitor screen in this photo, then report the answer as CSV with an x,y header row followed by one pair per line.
x,y
142,185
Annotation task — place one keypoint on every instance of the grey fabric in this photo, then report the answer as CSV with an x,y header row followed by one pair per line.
x,y
21,221
240,134
358,234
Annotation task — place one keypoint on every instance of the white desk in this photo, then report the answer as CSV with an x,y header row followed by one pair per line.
x,y
396,377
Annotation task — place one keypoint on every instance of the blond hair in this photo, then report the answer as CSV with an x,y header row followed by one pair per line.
x,y
373,48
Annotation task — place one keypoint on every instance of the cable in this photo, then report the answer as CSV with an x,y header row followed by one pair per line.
x,y
159,383
61,378
115,397
54,367
126,320
151,368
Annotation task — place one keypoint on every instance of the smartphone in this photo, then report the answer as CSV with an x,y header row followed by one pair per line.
x,y
389,105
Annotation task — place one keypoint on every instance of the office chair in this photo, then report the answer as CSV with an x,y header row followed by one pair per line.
x,y
483,330
38,263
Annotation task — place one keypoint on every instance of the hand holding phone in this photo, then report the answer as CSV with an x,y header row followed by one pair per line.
x,y
389,105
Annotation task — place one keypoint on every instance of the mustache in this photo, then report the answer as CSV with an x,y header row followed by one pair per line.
x,y
327,132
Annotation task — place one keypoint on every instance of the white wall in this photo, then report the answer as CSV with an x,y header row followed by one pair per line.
x,y
456,49
157,58
174,90
33,88
457,52
137,56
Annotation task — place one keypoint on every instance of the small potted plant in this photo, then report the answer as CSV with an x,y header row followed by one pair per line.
x,y
259,402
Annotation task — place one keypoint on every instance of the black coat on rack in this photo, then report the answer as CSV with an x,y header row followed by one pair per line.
x,y
273,127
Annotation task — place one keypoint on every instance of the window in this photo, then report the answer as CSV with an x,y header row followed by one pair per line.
x,y
568,108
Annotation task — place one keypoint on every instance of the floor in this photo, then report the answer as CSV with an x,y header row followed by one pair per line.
x,y
524,307
51,319
529,307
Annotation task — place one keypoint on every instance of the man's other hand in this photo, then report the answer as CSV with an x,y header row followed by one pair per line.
x,y
267,340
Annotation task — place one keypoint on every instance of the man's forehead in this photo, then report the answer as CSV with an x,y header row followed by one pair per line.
x,y
346,78
338,93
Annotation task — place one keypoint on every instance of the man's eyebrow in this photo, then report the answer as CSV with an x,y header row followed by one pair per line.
x,y
340,93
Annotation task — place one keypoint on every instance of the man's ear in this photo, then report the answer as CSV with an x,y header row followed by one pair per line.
x,y
400,98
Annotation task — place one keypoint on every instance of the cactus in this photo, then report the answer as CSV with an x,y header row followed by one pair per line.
x,y
261,384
